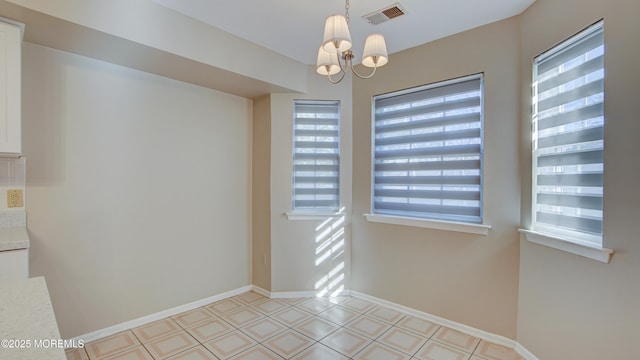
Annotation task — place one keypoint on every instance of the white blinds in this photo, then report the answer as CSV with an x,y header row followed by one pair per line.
x,y
568,136
428,152
316,155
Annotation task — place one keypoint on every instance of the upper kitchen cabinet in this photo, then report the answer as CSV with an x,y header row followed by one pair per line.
x,y
10,89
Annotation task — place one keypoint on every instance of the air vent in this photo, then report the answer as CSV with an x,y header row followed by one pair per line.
x,y
385,14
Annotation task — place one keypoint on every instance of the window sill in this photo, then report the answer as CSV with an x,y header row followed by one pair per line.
x,y
314,215
591,252
479,229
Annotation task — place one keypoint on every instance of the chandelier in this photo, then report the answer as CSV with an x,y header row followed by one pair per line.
x,y
337,44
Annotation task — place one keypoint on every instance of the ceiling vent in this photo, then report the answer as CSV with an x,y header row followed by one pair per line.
x,y
385,14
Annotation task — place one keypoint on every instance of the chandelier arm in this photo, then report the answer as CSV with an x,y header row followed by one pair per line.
x,y
364,76
336,81
344,68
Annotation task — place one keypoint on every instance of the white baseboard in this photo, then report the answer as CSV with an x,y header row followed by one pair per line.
x,y
293,294
99,334
526,354
301,294
261,291
481,334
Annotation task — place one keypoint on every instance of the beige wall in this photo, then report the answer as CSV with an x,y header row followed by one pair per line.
x,y
572,307
261,194
470,279
296,244
138,189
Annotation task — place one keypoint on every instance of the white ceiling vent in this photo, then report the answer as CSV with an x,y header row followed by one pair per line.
x,y
385,14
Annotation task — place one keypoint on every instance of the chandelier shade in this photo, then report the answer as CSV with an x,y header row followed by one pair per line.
x,y
327,62
337,45
337,37
375,51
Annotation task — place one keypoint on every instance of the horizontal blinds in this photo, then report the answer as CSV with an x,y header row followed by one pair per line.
x,y
316,155
428,152
568,123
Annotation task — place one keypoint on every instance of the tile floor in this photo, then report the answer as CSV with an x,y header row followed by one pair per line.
x,y
251,326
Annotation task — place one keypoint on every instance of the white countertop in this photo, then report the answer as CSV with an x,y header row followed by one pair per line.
x,y
26,315
14,238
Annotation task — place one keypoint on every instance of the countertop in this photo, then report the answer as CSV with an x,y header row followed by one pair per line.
x,y
26,315
13,238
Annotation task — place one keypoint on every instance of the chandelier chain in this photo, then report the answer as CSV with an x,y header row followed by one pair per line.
x,y
346,11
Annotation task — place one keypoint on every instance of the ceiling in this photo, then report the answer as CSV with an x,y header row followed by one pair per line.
x,y
294,28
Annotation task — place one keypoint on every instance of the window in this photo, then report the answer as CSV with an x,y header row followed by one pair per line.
x,y
316,155
427,152
568,138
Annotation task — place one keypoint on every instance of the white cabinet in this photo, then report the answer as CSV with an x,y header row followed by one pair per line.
x,y
10,89
14,253
14,264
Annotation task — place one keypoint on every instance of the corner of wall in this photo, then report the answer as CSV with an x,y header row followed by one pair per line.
x,y
261,193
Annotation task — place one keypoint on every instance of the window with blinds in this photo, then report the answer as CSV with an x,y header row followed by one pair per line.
x,y
427,152
568,137
316,155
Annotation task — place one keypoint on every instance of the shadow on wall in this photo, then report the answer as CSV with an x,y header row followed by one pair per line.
x,y
330,256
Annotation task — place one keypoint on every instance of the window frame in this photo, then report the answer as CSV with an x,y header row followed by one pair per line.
x,y
571,241
573,236
474,227
310,213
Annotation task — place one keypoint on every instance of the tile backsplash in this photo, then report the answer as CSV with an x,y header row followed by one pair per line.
x,y
12,177
13,218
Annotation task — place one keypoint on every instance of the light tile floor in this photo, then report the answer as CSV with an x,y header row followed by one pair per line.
x,y
251,326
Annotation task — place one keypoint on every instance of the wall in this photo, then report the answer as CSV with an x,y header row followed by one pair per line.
x,y
298,246
572,307
261,194
141,39
138,189
470,279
